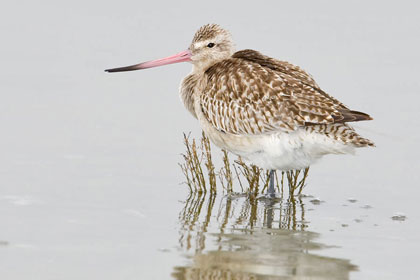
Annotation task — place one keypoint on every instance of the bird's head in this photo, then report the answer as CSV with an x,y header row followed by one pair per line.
x,y
210,44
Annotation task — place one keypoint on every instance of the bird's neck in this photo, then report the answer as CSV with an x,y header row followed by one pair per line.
x,y
199,67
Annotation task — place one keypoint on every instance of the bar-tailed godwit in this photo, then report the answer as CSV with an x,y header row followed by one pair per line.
x,y
270,112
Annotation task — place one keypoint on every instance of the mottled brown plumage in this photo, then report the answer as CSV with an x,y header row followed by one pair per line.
x,y
209,31
250,93
269,112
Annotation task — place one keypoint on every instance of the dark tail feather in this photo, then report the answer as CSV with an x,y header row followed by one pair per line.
x,y
351,116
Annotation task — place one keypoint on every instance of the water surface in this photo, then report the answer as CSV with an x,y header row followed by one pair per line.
x,y
90,186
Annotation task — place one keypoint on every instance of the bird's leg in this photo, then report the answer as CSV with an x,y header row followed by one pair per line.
x,y
271,190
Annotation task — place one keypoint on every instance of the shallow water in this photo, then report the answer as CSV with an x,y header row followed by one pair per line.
x,y
90,186
249,238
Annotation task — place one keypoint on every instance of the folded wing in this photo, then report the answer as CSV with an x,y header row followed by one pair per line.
x,y
254,94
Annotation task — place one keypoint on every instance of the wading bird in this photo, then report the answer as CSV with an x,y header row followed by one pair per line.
x,y
269,112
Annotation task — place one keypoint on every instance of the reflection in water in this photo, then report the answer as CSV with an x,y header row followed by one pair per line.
x,y
248,237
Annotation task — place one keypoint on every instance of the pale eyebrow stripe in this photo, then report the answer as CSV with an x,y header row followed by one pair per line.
x,y
204,43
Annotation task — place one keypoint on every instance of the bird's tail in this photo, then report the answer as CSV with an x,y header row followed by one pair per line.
x,y
351,116
344,133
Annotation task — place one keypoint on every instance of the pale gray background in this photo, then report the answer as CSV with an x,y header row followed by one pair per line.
x,y
88,160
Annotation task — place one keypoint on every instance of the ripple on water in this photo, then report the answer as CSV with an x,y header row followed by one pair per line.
x,y
399,217
352,200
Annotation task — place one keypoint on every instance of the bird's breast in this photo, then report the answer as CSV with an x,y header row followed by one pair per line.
x,y
190,86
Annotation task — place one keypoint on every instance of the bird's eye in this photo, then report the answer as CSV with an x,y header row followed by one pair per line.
x,y
210,45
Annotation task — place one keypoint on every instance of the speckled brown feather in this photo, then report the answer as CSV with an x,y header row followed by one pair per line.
x,y
253,94
286,68
208,31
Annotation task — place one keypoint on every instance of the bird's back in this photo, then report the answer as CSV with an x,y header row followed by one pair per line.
x,y
252,94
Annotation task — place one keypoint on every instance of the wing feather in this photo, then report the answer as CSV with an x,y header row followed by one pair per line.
x,y
255,94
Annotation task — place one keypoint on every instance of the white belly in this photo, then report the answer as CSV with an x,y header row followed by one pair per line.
x,y
279,151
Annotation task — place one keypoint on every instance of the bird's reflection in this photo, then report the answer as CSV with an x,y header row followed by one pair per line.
x,y
247,237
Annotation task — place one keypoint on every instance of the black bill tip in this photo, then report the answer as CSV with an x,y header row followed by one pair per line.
x,y
124,69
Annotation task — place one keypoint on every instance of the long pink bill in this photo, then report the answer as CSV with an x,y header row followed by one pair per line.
x,y
179,57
